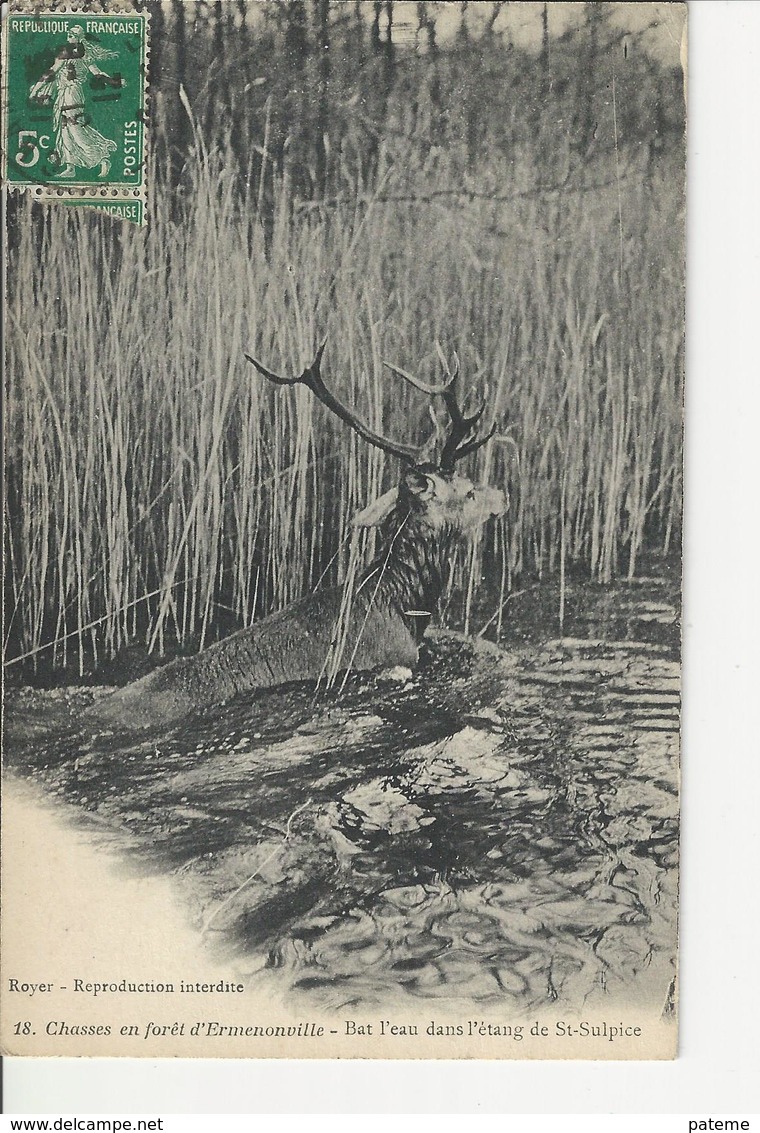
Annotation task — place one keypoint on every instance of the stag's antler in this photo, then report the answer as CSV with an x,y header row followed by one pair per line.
x,y
461,426
418,383
312,379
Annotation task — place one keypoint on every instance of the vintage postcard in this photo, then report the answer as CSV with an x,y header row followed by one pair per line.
x,y
343,465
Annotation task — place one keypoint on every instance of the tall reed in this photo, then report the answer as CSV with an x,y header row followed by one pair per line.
x,y
159,489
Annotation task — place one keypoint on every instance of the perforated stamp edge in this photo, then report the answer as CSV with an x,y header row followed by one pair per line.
x,y
114,199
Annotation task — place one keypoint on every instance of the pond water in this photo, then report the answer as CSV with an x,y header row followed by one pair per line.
x,y
500,829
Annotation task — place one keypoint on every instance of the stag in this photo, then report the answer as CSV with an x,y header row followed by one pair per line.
x,y
420,521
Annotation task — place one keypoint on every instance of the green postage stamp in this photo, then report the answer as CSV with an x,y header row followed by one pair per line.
x,y
74,106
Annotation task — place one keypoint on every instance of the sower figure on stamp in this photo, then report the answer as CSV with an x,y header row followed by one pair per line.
x,y
77,144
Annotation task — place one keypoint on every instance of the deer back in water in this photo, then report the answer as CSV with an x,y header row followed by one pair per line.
x,y
421,521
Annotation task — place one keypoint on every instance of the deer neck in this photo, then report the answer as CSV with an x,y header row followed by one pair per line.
x,y
411,570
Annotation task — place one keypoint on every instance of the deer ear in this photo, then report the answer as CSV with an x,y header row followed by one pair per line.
x,y
375,513
419,484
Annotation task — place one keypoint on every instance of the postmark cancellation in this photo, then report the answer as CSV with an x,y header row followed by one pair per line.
x,y
75,92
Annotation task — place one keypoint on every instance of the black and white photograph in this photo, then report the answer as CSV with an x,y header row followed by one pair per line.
x,y
343,473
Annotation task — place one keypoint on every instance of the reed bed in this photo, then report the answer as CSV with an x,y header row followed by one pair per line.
x,y
158,490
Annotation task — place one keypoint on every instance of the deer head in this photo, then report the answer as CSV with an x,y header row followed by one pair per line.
x,y
431,493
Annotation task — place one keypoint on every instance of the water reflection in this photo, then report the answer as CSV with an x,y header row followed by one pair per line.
x,y
500,830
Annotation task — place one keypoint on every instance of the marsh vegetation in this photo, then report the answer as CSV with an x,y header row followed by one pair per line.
x,y
520,208
413,182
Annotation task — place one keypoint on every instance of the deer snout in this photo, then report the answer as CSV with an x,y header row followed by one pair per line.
x,y
496,501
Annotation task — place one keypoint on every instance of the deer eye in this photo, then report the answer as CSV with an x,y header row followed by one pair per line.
x,y
471,494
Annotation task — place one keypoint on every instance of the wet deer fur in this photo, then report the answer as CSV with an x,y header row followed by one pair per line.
x,y
420,522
